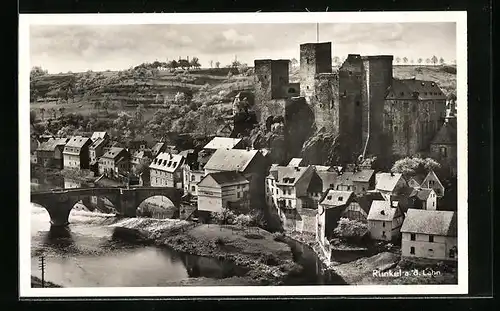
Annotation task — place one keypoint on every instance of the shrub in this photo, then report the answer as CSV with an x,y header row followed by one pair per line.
x,y
279,237
243,220
220,241
269,259
352,230
225,217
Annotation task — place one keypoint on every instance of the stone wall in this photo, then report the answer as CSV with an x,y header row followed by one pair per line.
x,y
314,58
325,104
377,77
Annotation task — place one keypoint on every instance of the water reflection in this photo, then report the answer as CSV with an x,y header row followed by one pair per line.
x,y
58,237
198,266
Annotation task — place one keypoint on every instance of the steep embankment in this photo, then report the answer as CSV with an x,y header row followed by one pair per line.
x,y
268,261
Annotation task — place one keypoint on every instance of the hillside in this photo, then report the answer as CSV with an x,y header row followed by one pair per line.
x,y
146,102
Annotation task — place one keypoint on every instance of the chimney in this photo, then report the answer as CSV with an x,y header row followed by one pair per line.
x,y
392,174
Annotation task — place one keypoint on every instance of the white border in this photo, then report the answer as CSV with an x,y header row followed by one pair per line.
x,y
25,20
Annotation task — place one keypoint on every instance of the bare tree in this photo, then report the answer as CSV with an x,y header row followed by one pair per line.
x,y
398,60
434,59
441,61
428,60
405,60
217,64
211,63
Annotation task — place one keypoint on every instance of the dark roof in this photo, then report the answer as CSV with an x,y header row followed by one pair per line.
x,y
421,194
328,178
442,223
228,177
315,183
158,147
406,88
363,175
365,200
417,178
447,135
99,141
187,152
113,152
335,198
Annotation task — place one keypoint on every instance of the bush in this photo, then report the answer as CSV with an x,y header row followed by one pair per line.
x,y
352,230
225,217
269,259
279,237
243,220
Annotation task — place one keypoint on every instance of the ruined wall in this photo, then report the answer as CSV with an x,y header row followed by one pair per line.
x,y
325,103
314,58
299,121
377,77
411,124
350,97
270,88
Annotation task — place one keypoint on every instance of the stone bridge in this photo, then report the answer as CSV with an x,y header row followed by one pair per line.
x,y
125,200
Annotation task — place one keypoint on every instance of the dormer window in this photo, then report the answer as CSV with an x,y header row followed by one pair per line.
x,y
341,199
329,197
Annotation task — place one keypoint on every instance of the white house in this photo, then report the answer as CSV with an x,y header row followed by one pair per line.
x,y
166,170
389,183
191,178
216,190
384,220
429,234
330,208
432,181
425,198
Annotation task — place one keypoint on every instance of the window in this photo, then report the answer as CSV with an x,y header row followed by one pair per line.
x,y
412,250
395,129
193,188
383,224
238,194
442,151
341,199
193,178
383,234
431,238
452,252
412,236
431,183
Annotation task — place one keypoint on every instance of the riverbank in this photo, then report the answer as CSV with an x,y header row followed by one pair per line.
x,y
37,283
269,262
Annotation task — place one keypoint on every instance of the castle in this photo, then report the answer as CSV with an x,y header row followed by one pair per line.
x,y
376,113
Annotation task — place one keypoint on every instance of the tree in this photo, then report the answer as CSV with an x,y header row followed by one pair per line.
x,y
242,68
184,64
441,61
217,64
224,217
336,59
294,62
235,64
195,63
428,60
410,167
398,60
211,63
350,230
434,59
37,71
405,59
420,60
139,112
61,110
32,117
412,61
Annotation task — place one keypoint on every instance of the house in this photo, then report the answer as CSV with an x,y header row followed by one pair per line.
x,y
225,130
158,148
424,199
330,208
76,153
218,190
432,181
96,149
389,183
415,181
359,207
139,157
115,162
289,191
358,181
384,220
99,135
109,145
328,179
296,162
34,143
137,145
50,153
191,157
166,170
218,143
251,163
430,234
192,175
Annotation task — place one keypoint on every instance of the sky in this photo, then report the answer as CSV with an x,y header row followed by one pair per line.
x,y
79,48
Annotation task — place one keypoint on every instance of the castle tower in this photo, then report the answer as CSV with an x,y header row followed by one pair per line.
x,y
271,81
315,58
376,79
350,101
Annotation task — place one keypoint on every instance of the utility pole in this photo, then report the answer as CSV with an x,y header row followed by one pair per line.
x,y
42,268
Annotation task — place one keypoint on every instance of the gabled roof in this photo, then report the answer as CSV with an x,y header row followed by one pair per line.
x,y
422,193
416,181
140,154
433,175
295,162
97,135
328,178
322,168
113,153
228,178
406,88
333,198
447,135
167,162
97,142
187,152
52,144
158,147
231,159
381,210
365,200
387,181
222,143
442,223
287,174
363,175
77,141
